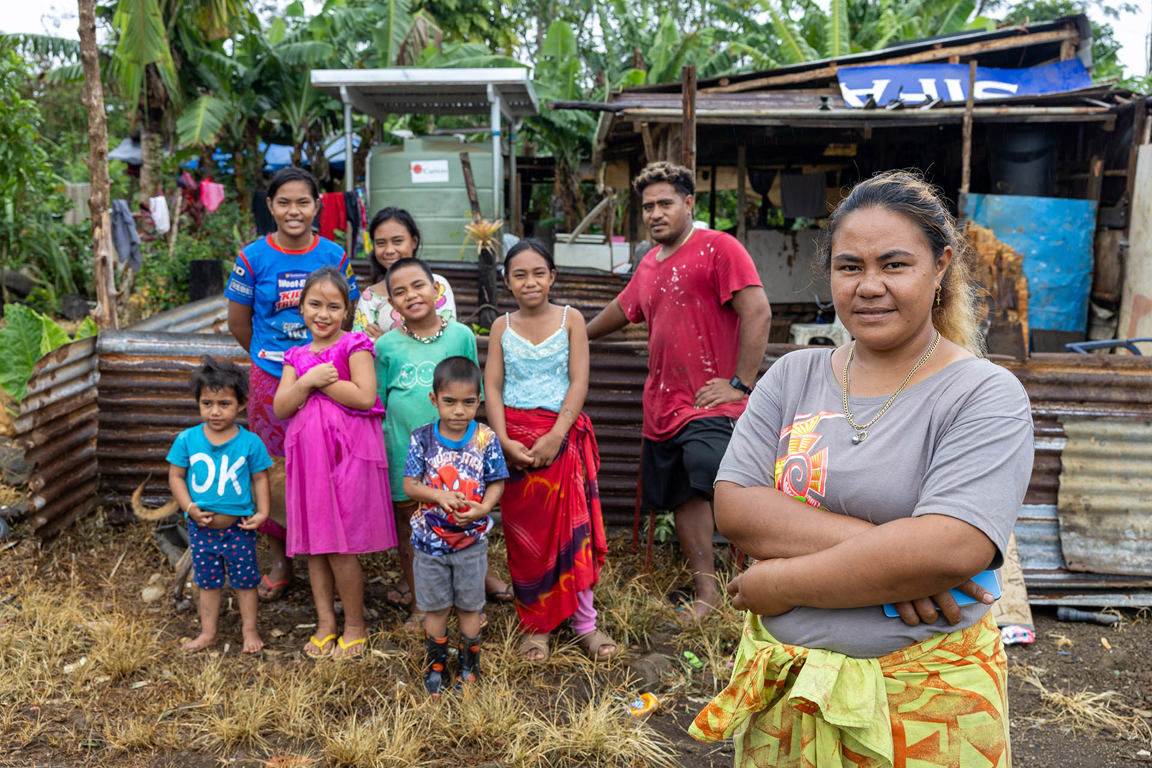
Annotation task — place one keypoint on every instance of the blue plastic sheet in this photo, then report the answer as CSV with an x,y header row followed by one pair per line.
x,y
917,83
1055,237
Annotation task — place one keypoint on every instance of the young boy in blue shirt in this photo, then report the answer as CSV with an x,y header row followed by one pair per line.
x,y
218,473
456,470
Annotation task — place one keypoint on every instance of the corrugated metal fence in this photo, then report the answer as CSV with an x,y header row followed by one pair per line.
x,y
143,401
56,427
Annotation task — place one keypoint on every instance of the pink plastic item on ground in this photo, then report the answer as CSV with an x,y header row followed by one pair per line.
x,y
1015,634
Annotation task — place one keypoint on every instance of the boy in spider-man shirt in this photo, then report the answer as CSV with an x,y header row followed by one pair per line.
x,y
456,470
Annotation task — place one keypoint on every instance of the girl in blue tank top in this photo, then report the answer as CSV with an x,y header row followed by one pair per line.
x,y
535,381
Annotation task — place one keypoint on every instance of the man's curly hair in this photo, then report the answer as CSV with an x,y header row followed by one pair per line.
x,y
682,179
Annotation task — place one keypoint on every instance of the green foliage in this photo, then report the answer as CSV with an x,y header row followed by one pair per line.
x,y
1106,63
27,337
143,40
202,121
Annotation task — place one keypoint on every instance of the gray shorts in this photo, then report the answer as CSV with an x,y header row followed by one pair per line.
x,y
452,579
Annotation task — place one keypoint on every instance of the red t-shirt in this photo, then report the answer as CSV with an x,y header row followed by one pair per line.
x,y
692,328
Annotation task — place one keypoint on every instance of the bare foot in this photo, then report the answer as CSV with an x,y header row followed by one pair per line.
x,y
700,609
252,641
199,643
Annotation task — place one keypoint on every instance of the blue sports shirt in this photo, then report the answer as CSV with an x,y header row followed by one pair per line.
x,y
269,279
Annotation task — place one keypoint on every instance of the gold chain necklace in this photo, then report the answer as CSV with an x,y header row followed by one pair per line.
x,y
862,430
661,256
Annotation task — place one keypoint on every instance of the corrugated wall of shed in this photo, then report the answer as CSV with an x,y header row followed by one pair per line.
x,y
144,402
1102,386
1106,495
56,427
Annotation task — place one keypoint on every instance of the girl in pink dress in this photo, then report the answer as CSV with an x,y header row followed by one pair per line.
x,y
336,491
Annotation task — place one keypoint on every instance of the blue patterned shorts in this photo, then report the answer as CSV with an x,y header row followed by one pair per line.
x,y
214,549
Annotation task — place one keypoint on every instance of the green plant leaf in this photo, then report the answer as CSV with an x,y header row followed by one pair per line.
x,y
392,30
52,335
794,48
277,31
201,122
956,17
836,39
87,329
19,349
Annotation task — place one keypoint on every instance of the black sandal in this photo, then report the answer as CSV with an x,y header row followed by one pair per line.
x,y
403,596
506,595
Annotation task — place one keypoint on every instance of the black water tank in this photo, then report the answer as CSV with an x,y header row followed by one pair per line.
x,y
1022,158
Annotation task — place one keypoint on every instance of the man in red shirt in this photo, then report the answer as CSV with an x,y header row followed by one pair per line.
x,y
708,321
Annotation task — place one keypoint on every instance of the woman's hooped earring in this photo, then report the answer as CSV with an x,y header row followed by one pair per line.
x,y
939,290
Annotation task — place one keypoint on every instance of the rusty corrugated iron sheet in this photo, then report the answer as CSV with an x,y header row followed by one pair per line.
x,y
57,427
144,401
1061,385
1087,389
205,316
1105,498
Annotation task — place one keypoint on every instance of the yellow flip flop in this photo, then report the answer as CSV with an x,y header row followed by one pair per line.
x,y
320,645
345,646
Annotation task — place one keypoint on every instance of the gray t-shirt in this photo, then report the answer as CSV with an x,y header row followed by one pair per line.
x,y
958,443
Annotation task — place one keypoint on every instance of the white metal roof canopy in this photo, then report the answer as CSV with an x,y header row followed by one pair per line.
x,y
382,92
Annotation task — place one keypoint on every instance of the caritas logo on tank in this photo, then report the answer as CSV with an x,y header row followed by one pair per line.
x,y
429,171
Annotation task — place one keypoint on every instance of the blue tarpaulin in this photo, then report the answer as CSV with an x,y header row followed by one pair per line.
x,y
917,83
1055,237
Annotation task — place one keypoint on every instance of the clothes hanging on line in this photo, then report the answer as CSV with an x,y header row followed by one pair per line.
x,y
804,195
161,219
125,238
211,194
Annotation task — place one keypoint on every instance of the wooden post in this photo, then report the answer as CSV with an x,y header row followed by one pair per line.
x,y
485,259
688,89
741,193
1139,119
470,186
712,198
1095,178
649,147
966,161
93,99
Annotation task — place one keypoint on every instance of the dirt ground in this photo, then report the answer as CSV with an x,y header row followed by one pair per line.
x,y
1081,695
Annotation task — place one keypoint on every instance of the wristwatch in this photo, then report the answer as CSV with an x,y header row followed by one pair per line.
x,y
735,383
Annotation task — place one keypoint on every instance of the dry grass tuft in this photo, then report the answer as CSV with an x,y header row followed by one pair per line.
x,y
89,673
1084,710
384,740
573,734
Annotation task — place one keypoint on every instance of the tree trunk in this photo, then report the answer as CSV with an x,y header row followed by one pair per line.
x,y
93,98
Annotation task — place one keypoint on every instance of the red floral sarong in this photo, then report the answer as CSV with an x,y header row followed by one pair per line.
x,y
552,523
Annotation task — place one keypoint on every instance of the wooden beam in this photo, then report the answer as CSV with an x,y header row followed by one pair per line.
x,y
741,192
649,147
1095,178
1067,50
688,94
712,198
966,147
936,54
1139,120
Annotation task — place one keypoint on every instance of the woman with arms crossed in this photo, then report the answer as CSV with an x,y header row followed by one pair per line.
x,y
889,470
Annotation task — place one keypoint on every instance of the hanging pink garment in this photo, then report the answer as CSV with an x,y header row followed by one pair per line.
x,y
211,194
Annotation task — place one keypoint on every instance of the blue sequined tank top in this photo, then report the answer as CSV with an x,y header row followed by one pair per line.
x,y
535,375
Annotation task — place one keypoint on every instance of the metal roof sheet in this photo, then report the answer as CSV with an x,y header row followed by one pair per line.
x,y
398,91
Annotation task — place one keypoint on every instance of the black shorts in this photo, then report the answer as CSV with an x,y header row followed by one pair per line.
x,y
684,465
